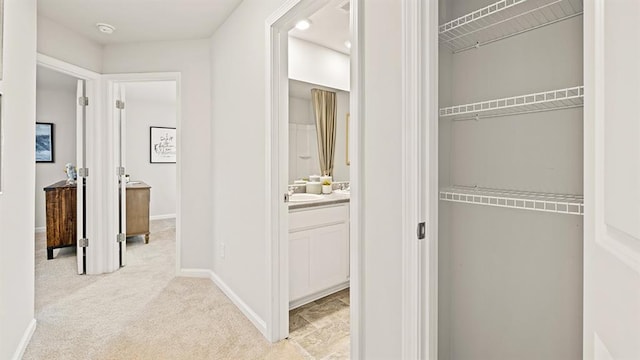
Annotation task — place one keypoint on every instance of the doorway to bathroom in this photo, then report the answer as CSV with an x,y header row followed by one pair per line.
x,y
313,144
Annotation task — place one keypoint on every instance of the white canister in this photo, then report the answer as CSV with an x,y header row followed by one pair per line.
x,y
326,189
314,187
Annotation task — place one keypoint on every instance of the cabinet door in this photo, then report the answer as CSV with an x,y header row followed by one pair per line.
x,y
299,264
318,259
328,257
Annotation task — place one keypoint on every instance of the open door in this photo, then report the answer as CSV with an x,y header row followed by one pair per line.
x,y
120,120
81,188
612,180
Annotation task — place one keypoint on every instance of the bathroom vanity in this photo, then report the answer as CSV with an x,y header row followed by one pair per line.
x,y
318,248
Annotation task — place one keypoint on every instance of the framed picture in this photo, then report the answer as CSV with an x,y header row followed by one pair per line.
x,y
44,143
162,145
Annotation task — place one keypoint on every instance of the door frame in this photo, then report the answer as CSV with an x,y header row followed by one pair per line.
x,y
112,225
93,213
276,146
422,19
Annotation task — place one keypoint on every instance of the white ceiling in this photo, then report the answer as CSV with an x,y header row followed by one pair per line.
x,y
140,20
329,27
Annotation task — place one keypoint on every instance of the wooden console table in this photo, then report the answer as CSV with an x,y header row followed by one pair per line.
x,y
61,214
138,198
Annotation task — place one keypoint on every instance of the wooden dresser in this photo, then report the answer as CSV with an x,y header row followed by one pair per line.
x,y
61,213
138,198
61,216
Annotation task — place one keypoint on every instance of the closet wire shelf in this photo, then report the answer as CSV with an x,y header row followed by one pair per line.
x,y
504,19
554,203
522,104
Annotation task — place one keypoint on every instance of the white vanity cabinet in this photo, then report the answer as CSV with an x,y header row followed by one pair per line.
x,y
318,252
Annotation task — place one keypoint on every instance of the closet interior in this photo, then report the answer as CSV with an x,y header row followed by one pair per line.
x,y
511,179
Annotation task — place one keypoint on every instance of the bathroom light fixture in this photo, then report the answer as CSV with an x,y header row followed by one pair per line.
x,y
303,24
105,28
347,44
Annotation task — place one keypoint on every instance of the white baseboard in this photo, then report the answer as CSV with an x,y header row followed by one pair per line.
x,y
235,299
319,295
24,342
162,217
41,229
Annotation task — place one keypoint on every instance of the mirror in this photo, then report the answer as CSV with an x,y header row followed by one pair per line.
x,y
303,142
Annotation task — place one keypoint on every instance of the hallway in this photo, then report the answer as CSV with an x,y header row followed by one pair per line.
x,y
140,312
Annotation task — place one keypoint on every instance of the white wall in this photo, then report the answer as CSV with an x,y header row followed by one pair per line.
x,y
238,147
316,64
18,88
64,44
55,103
151,104
382,163
191,59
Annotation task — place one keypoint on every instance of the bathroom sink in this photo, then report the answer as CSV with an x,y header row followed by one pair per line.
x,y
342,192
304,197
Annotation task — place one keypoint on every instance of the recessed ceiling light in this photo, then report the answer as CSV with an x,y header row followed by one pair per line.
x,y
303,24
347,44
105,28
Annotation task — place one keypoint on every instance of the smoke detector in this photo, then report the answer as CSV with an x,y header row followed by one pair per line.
x,y
105,28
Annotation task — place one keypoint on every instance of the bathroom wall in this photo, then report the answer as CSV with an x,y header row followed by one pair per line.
x,y
151,104
55,103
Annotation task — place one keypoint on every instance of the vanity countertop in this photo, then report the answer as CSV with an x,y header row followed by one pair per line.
x,y
329,199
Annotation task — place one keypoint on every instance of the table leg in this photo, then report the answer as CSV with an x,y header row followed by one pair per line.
x,y
49,253
146,238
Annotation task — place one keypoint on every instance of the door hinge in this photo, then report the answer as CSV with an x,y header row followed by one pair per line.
x,y
83,172
286,197
83,101
422,230
120,171
120,104
121,238
83,243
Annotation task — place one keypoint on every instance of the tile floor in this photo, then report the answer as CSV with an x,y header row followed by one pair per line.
x,y
321,328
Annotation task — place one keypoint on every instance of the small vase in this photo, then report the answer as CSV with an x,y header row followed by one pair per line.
x,y
326,189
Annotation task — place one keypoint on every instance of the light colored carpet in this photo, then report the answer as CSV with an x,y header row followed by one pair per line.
x,y
141,311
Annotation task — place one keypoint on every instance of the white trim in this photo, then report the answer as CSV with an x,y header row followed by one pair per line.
x,y
162,217
65,67
429,178
356,174
593,45
40,229
319,295
111,79
24,341
411,116
277,27
256,320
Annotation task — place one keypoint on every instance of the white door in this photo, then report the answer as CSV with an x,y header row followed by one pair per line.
x,y
81,188
120,121
612,180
